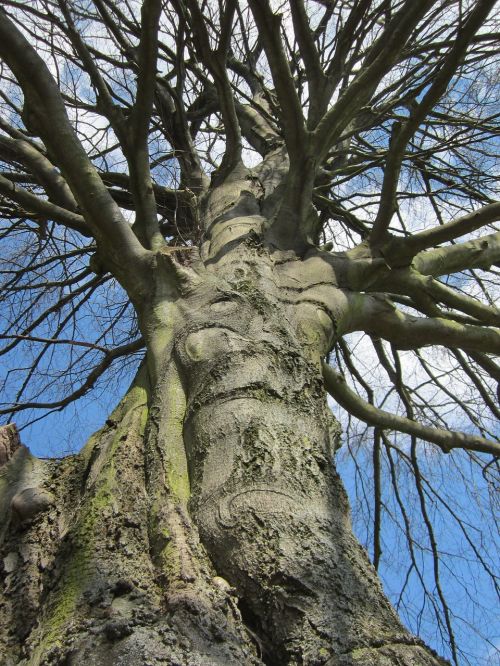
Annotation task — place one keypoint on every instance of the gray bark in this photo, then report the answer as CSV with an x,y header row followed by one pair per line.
x,y
102,560
205,523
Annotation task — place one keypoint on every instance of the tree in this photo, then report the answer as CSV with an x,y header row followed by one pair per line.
x,y
236,189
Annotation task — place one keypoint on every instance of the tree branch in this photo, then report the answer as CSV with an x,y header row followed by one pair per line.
x,y
446,439
382,55
215,62
49,211
110,356
425,291
41,167
146,224
399,252
316,79
478,253
404,132
376,315
269,25
45,115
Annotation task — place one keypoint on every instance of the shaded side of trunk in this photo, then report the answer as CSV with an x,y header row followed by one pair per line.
x,y
81,578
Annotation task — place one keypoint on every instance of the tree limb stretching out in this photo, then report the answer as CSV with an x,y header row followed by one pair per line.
x,y
446,439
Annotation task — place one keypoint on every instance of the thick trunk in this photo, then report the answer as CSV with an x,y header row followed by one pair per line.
x,y
205,523
85,570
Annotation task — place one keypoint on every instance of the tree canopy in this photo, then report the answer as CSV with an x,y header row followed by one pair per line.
x,y
371,127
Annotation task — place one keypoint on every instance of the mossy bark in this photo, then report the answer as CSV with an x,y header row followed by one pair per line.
x,y
205,522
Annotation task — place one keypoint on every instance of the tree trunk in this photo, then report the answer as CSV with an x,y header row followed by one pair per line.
x,y
205,522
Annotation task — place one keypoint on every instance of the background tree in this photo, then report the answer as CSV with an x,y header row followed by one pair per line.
x,y
244,191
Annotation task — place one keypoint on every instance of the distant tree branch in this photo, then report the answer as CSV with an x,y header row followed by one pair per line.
x,y
379,59
110,356
403,132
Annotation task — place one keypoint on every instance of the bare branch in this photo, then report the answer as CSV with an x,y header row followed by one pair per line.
x,y
110,356
40,207
378,61
398,252
404,132
138,127
445,439
44,110
269,25
478,253
377,316
41,167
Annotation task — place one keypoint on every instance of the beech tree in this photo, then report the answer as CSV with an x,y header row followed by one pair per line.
x,y
257,204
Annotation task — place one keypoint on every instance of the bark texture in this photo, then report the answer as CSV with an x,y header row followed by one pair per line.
x,y
205,523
